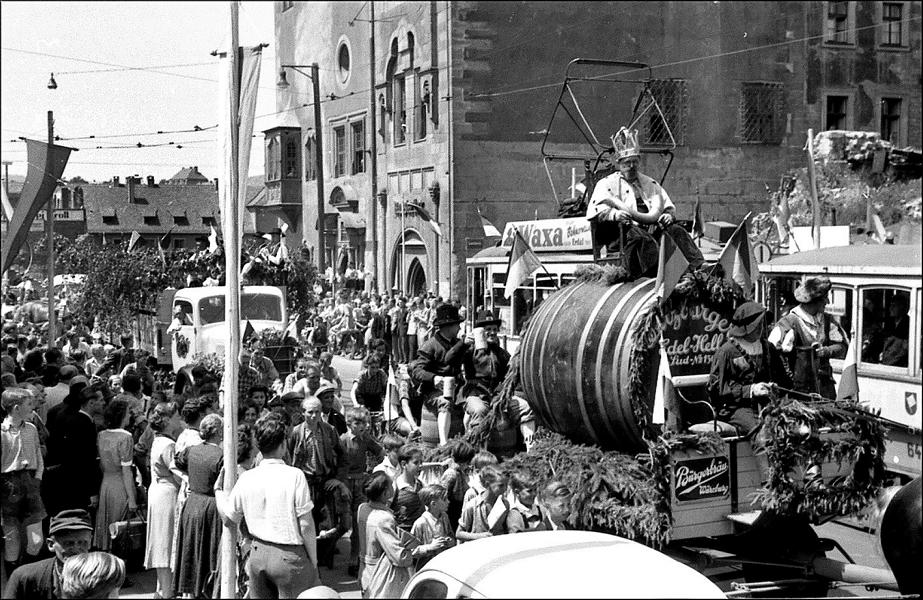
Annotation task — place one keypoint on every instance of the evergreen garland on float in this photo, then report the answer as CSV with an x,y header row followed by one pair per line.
x,y
804,434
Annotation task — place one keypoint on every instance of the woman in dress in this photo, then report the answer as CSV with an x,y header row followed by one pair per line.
x,y
200,527
161,496
388,562
117,492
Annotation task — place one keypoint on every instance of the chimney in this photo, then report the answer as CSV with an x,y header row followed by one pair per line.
x,y
150,181
115,181
131,188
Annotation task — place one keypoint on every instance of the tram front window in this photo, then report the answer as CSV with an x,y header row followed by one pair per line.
x,y
886,327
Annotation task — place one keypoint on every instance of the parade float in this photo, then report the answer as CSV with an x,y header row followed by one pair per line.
x,y
587,359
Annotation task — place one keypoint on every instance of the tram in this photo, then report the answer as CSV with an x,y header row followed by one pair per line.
x,y
876,295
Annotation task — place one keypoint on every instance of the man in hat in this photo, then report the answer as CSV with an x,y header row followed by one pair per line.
x,y
808,338
743,371
485,368
438,367
291,404
633,199
69,534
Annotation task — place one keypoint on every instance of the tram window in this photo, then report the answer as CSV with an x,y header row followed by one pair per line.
x,y
781,296
498,291
885,327
840,306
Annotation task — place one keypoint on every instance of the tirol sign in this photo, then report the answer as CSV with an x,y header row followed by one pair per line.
x,y
693,332
701,478
552,235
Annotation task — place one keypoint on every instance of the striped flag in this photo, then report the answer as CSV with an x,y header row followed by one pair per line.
x,y
487,226
670,267
698,228
849,380
880,234
738,261
161,244
135,236
7,205
428,218
523,262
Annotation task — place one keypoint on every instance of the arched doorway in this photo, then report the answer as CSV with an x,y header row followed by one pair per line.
x,y
416,278
408,263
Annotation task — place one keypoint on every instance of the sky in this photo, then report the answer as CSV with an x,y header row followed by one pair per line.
x,y
118,101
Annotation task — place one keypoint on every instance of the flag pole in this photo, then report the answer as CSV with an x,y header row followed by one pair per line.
x,y
232,268
49,237
812,181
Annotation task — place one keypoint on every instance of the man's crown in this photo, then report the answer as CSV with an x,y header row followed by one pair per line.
x,y
626,144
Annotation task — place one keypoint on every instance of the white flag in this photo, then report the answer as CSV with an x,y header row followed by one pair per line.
x,y
664,379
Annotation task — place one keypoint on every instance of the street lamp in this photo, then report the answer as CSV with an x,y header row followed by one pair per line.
x,y
283,84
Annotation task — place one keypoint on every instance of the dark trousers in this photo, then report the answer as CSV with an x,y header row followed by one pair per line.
x,y
279,570
397,347
641,247
411,346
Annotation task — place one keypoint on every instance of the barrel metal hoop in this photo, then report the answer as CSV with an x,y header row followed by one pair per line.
x,y
582,350
539,325
629,419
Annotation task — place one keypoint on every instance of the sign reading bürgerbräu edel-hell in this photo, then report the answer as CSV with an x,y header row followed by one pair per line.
x,y
693,332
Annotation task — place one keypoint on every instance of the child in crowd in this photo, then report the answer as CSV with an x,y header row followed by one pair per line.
x,y
20,477
556,499
483,516
388,557
406,504
455,479
433,529
390,464
357,444
525,514
482,459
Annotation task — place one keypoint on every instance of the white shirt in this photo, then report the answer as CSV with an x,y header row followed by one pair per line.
x,y
615,190
271,497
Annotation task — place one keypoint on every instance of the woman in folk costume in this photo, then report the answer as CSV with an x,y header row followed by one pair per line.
x,y
808,338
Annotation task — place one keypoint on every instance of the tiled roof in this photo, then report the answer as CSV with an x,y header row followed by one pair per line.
x,y
165,201
188,175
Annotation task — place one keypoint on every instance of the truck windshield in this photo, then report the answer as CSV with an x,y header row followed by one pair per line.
x,y
255,307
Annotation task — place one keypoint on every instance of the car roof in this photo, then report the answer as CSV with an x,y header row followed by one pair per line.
x,y
569,564
196,293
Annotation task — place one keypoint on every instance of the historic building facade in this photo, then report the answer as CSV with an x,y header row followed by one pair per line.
x,y
462,93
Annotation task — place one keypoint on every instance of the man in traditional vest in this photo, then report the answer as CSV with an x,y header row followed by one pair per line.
x,y
633,199
808,338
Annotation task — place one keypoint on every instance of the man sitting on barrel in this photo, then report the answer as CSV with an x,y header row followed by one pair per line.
x,y
631,198
486,366
438,366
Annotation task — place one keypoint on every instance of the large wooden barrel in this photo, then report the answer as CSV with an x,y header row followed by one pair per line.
x,y
575,359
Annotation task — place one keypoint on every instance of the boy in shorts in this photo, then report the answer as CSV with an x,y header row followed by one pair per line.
x,y
21,469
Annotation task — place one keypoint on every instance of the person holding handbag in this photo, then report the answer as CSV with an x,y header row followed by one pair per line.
x,y
117,496
166,423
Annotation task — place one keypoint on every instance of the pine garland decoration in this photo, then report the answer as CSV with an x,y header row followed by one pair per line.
x,y
856,438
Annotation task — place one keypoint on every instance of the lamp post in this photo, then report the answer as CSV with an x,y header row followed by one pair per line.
x,y
283,84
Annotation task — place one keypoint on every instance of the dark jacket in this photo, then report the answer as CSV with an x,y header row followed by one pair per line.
x,y
485,369
301,451
35,580
437,356
732,374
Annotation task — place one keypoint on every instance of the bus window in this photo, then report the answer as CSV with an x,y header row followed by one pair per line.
x,y
885,327
840,306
